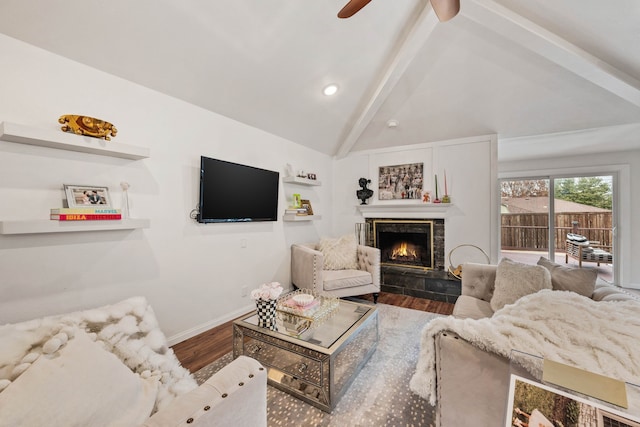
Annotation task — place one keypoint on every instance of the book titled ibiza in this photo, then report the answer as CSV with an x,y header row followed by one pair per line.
x,y
85,217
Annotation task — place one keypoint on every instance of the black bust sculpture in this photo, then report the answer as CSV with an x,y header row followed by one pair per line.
x,y
364,193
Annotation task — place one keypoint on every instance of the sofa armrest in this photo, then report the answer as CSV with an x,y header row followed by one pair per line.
x,y
472,385
478,280
369,260
235,395
306,268
607,292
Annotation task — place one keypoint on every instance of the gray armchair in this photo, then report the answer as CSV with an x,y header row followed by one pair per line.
x,y
307,272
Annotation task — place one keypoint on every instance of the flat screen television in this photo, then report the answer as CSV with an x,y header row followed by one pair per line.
x,y
231,192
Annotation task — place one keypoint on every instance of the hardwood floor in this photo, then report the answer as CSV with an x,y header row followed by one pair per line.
x,y
199,351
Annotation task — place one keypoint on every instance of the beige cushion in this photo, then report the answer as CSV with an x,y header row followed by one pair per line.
x,y
340,253
565,278
80,385
515,280
340,279
468,307
604,292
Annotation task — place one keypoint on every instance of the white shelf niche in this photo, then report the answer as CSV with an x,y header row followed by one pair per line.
x,y
39,226
295,218
301,181
21,134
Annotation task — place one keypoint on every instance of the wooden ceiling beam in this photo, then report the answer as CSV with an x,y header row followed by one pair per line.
x,y
554,48
405,51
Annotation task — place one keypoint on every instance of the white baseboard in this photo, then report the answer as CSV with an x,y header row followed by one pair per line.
x,y
189,333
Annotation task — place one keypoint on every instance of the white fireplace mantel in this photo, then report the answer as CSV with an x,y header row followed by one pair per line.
x,y
405,210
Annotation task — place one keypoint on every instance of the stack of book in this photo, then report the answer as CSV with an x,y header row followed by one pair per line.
x,y
85,214
295,211
294,325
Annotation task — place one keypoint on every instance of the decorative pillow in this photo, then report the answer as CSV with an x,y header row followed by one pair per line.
x,y
82,385
340,253
128,329
515,280
563,278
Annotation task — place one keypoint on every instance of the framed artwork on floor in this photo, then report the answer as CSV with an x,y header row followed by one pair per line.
x,y
536,404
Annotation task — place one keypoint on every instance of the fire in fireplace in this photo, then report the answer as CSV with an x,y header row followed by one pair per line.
x,y
406,243
404,250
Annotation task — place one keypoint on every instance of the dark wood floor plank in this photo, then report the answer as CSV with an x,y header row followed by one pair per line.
x,y
202,349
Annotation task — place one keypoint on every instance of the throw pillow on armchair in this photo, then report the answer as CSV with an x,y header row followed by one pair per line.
x,y
339,253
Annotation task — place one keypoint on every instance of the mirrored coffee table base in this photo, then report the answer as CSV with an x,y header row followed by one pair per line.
x,y
319,365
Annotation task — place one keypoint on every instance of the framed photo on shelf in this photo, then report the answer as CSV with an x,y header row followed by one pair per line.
x,y
307,206
86,196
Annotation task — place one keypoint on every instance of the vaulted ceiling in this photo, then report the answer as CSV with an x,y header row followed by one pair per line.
x,y
511,67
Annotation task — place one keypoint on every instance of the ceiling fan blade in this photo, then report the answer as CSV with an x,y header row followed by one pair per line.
x,y
445,9
352,7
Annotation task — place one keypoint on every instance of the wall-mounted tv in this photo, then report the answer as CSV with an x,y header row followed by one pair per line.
x,y
231,192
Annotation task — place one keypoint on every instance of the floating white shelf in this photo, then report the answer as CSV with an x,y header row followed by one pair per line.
x,y
52,226
300,181
293,217
22,134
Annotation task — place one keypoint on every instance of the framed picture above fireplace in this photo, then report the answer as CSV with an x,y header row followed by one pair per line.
x,y
400,181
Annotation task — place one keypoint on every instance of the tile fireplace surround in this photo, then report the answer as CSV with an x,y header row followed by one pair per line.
x,y
432,281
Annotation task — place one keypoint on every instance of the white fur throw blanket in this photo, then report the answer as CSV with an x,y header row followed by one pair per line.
x,y
128,329
602,336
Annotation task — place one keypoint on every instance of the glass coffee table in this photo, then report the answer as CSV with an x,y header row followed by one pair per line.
x,y
318,364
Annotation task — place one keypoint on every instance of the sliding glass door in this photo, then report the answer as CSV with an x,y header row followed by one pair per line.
x,y
568,219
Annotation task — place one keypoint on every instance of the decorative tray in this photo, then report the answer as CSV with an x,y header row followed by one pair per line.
x,y
298,318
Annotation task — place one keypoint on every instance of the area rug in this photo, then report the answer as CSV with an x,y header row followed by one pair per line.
x,y
379,395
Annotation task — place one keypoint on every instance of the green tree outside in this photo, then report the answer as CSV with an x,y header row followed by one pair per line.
x,y
591,191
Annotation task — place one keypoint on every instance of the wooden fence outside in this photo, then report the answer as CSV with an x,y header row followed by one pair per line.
x,y
529,231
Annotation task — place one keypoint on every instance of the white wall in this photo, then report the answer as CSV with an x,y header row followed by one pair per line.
x,y
471,166
192,274
629,202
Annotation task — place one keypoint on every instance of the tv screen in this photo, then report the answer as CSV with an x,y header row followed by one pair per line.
x,y
230,192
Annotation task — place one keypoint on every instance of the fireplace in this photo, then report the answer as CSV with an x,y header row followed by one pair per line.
x,y
412,257
407,243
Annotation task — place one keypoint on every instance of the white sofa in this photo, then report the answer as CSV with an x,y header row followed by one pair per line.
x,y
465,360
111,366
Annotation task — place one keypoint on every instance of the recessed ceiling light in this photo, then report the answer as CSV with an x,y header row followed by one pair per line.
x,y
393,123
330,89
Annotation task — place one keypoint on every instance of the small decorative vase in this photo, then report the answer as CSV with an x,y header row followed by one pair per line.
x,y
266,314
125,199
125,205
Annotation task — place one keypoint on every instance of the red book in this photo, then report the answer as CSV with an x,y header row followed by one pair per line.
x,y
85,217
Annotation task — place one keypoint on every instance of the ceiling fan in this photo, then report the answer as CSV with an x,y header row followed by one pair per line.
x,y
444,9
